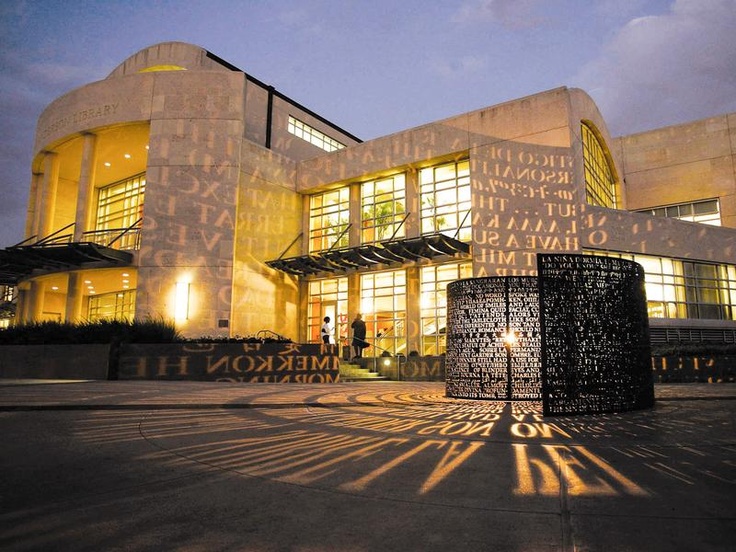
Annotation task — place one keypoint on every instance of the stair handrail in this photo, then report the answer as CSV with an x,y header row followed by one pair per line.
x,y
375,357
272,334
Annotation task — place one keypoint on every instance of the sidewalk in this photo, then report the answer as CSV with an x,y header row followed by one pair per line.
x,y
359,467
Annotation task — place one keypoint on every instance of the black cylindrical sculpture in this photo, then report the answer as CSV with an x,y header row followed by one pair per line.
x,y
576,336
493,339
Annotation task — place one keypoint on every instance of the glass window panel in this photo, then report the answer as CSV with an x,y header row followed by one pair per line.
x,y
329,216
445,200
383,303
600,181
433,303
686,289
445,172
312,135
383,209
327,298
119,305
704,212
120,206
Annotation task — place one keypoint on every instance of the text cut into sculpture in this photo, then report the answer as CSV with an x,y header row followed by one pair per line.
x,y
493,339
595,335
575,337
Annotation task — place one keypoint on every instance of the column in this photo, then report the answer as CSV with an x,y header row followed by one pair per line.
x,y
356,215
21,310
354,306
85,192
413,310
74,297
34,206
305,226
47,205
413,225
34,311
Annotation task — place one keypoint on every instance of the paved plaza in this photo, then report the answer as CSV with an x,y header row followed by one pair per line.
x,y
186,466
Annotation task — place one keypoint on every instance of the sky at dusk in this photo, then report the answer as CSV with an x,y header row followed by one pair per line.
x,y
375,67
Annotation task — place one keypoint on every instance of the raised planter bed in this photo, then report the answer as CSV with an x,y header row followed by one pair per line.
x,y
236,362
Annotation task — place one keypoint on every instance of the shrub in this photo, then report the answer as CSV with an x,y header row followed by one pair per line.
x,y
116,331
102,331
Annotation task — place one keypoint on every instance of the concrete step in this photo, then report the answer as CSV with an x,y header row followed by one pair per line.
x,y
355,373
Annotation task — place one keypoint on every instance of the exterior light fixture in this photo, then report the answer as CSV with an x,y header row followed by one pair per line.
x,y
181,301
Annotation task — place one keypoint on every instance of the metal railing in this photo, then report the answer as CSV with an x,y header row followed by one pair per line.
x,y
124,239
384,354
269,334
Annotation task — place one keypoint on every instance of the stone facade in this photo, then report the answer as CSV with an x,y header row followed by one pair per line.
x,y
227,188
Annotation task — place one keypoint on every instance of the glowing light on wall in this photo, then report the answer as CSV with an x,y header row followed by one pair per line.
x,y
181,301
509,338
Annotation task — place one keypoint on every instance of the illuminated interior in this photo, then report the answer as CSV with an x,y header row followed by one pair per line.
x,y
678,288
383,206
312,135
327,298
155,68
433,303
117,166
103,294
445,200
329,216
383,305
600,175
704,212
120,206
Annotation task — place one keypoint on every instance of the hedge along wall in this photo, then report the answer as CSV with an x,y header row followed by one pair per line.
x,y
235,362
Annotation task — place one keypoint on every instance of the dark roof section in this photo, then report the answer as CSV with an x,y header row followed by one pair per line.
x,y
22,261
365,256
280,95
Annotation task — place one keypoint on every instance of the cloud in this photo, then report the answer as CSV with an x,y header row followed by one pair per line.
x,y
513,14
667,69
28,88
459,67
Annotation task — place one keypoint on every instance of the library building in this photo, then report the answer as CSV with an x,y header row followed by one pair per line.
x,y
182,188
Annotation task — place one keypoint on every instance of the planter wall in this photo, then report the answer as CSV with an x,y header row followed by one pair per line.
x,y
85,361
244,362
423,368
686,369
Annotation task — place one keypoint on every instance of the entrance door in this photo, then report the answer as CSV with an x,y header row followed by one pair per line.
x,y
329,308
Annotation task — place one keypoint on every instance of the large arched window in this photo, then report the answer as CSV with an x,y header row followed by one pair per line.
x,y
600,174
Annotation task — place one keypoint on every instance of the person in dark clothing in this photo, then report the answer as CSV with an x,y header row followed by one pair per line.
x,y
359,342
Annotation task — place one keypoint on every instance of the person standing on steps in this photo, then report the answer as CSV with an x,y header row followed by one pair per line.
x,y
326,330
359,343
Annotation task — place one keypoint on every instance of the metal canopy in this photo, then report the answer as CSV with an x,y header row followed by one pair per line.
x,y
21,261
366,256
